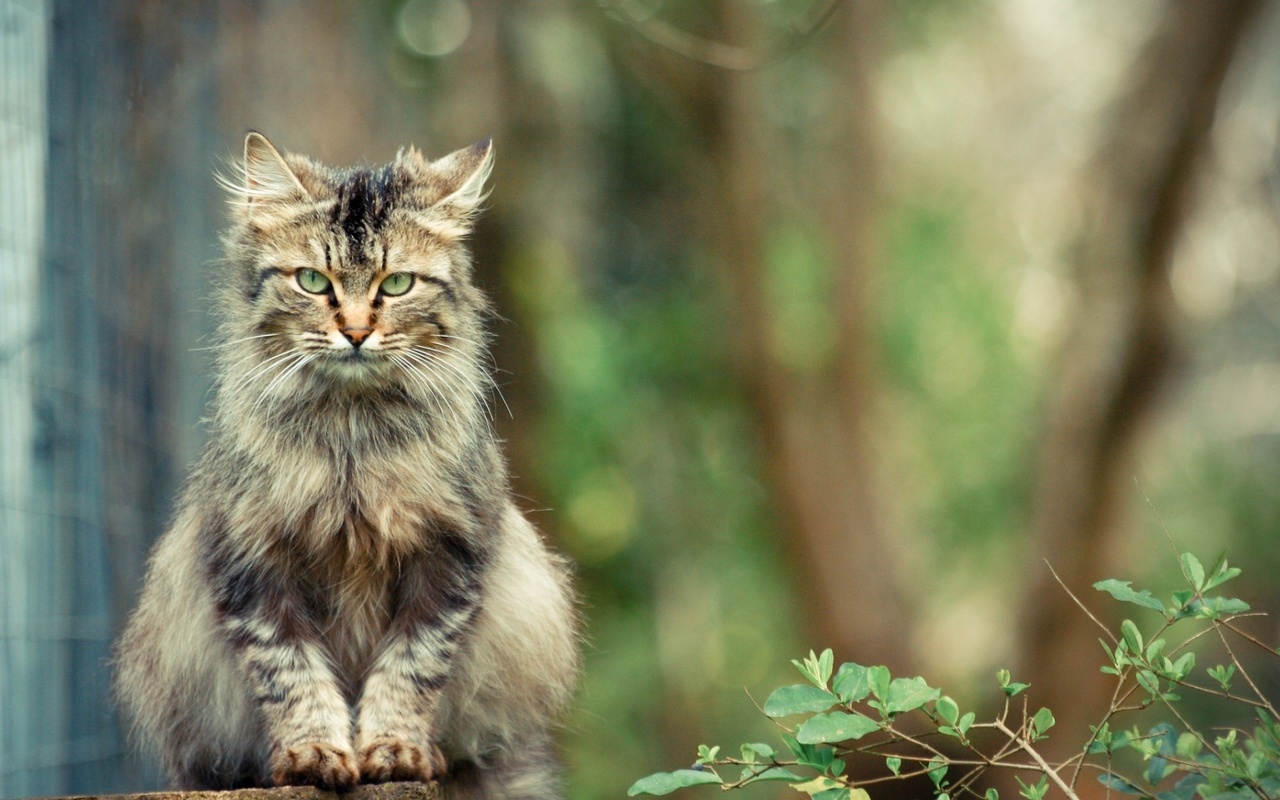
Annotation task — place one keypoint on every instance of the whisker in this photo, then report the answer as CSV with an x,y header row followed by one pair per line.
x,y
441,379
470,359
480,347
302,360
468,378
411,372
262,369
425,356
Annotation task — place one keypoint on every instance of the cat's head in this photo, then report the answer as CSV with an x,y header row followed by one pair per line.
x,y
354,275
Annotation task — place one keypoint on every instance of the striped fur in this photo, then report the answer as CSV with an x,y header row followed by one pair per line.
x,y
347,593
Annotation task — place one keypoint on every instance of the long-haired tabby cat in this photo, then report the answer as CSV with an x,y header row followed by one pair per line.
x,y
347,593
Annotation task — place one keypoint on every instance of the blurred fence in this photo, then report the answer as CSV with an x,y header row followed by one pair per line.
x,y
31,740
100,235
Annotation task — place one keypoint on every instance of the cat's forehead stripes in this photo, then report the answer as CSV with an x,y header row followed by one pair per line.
x,y
363,199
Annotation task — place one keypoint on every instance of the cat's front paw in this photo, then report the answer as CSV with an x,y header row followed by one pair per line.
x,y
390,759
319,764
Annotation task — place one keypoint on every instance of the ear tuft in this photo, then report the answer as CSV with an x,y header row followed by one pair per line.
x,y
266,175
412,158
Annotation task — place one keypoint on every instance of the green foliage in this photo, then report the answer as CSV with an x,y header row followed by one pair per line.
x,y
859,712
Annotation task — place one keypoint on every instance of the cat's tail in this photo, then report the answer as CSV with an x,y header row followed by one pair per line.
x,y
531,772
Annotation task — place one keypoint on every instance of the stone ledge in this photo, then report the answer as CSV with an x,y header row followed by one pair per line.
x,y
377,791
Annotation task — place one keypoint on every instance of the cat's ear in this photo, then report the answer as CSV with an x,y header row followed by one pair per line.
x,y
460,178
267,178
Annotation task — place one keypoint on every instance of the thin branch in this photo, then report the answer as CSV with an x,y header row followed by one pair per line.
x,y
1168,537
1243,672
1250,638
1049,771
1079,602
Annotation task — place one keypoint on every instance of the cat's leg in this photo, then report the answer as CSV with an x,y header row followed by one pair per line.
x,y
438,596
308,722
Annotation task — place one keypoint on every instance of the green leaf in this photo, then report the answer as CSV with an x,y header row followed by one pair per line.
x,y
991,794
1122,591
818,784
1158,768
1181,599
966,722
667,782
1188,746
837,726
825,663
1194,570
908,694
1101,739
1221,574
771,774
1183,666
937,771
1041,723
1132,636
762,750
1214,607
798,699
1214,583
1148,680
948,710
707,754
810,755
1223,674
894,764
1035,791
878,681
809,669
851,683
1009,688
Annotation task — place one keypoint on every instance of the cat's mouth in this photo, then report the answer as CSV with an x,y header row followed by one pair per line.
x,y
354,364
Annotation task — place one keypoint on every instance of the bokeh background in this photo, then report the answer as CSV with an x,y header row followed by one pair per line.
x,y
826,323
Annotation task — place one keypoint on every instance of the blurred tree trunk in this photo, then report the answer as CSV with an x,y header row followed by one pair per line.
x,y
813,417
1139,189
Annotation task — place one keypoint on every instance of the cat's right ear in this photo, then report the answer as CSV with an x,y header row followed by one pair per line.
x,y
267,177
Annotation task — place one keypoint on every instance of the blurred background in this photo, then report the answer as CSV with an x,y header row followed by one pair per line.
x,y
826,323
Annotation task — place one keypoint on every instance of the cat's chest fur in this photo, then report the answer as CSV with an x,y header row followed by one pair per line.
x,y
346,530
340,505
349,478
349,586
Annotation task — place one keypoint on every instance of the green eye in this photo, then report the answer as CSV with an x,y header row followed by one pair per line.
x,y
397,284
313,281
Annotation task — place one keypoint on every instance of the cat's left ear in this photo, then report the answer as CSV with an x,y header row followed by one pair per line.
x,y
267,177
461,178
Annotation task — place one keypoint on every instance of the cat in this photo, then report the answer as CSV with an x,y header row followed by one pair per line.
x,y
347,593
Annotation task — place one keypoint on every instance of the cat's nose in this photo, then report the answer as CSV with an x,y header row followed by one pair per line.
x,y
356,335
